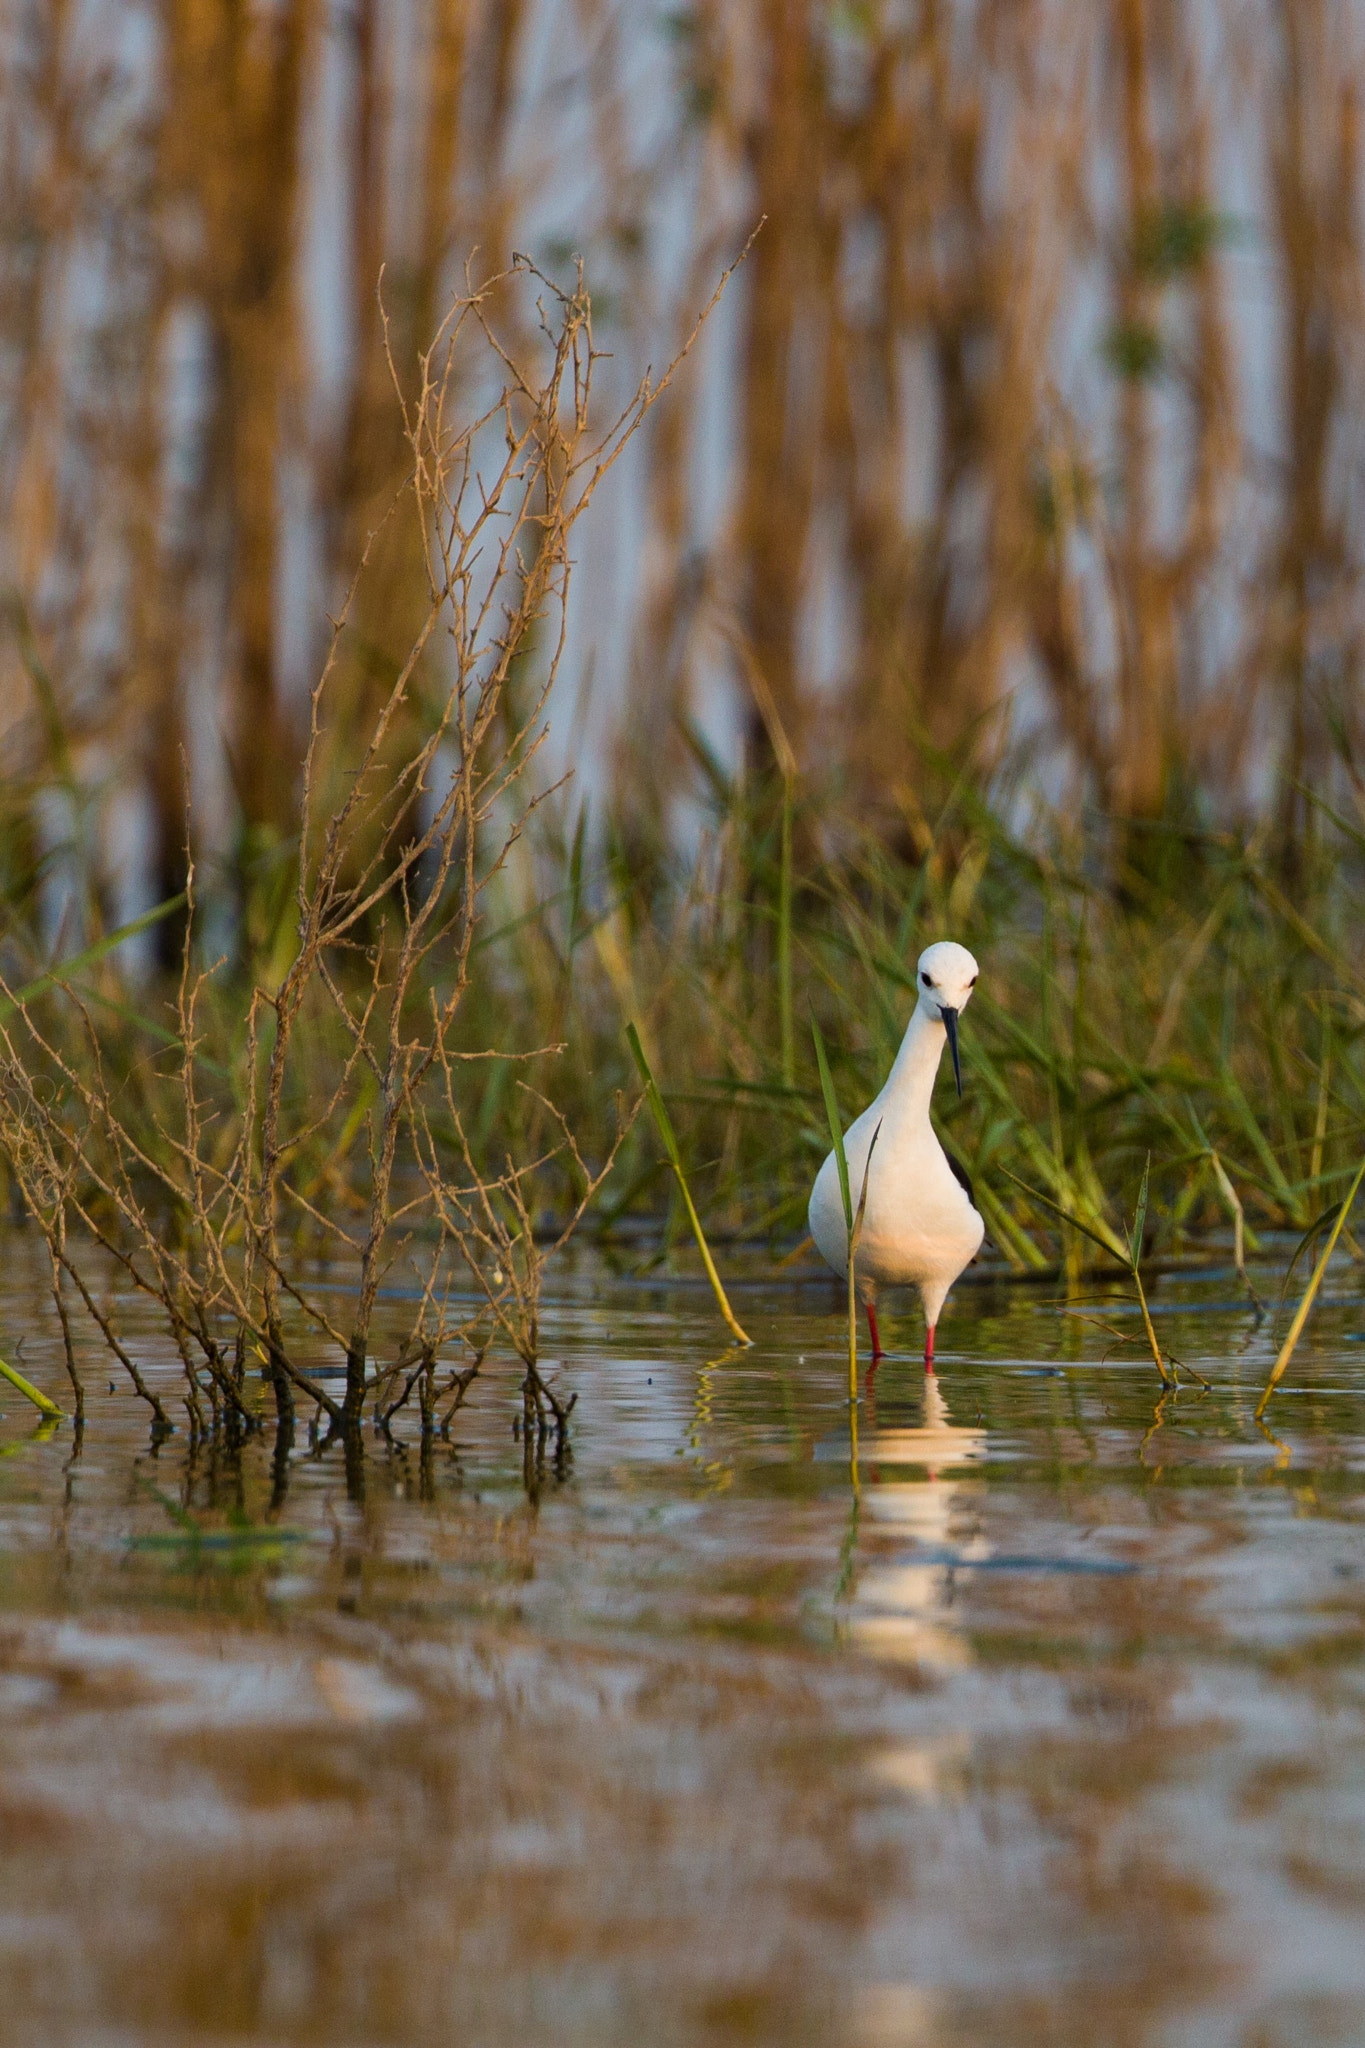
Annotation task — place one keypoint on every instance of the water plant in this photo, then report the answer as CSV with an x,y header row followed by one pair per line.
x,y
1300,1317
664,1125
1127,1250
326,1104
853,1221
40,1400
375,1075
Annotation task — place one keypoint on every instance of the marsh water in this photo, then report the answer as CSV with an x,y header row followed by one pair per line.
x,y
1051,1729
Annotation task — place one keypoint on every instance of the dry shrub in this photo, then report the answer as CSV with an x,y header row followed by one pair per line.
x,y
328,1100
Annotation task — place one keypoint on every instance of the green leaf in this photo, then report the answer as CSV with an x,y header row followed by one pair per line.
x,y
1329,1217
655,1100
1140,1216
81,961
1295,1329
666,1132
1107,1243
856,1237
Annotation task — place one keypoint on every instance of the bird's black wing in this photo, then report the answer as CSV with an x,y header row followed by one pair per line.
x,y
960,1174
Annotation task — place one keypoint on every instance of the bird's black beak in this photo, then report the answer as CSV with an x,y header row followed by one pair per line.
x,y
950,1026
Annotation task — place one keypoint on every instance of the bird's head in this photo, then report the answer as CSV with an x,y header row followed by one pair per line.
x,y
947,975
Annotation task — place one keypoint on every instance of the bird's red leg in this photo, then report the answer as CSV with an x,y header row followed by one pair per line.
x,y
877,1351
929,1349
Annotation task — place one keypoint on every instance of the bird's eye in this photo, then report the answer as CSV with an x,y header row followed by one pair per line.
x,y
927,982
972,983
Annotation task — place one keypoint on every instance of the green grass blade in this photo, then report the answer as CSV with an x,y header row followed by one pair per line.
x,y
1239,1227
1295,1330
786,1021
666,1132
854,1238
80,961
576,878
1235,1097
1140,1216
1309,1238
1153,1346
836,1129
853,1224
1023,1254
655,1100
1107,1241
1125,1254
28,1390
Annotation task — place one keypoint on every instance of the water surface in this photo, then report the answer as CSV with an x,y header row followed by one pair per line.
x,y
1051,1729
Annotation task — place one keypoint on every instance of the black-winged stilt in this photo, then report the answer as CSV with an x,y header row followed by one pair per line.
x,y
921,1226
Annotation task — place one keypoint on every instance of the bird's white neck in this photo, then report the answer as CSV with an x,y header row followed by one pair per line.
x,y
910,1084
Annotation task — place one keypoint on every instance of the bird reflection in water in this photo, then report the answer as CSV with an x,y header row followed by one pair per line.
x,y
919,1523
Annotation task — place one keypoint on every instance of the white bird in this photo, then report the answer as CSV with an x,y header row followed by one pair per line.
x,y
920,1227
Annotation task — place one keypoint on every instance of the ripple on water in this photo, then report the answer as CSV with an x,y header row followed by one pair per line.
x,y
1038,1714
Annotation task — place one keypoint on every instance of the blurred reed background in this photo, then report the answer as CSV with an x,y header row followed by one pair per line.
x,y
993,564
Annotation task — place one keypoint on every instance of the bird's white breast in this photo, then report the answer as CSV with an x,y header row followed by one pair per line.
x,y
919,1223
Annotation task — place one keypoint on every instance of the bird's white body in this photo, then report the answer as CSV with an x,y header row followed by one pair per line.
x,y
920,1227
